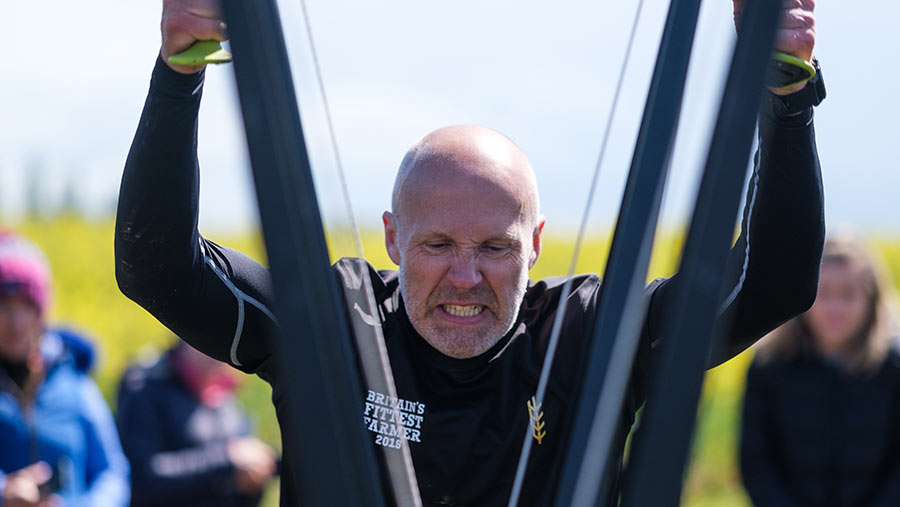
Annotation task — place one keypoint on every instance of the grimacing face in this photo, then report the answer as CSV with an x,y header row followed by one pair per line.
x,y
464,240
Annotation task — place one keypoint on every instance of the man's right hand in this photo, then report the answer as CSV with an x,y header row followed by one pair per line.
x,y
187,21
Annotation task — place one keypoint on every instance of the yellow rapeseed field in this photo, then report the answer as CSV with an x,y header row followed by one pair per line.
x,y
86,298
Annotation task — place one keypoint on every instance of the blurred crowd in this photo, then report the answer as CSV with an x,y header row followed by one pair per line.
x,y
178,438
821,419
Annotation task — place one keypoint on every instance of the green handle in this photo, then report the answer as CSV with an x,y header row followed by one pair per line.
x,y
786,70
201,53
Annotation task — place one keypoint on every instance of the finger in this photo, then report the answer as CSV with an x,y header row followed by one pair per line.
x,y
22,489
265,469
205,8
738,7
182,28
38,473
796,18
809,5
258,480
51,501
796,33
209,29
192,4
799,43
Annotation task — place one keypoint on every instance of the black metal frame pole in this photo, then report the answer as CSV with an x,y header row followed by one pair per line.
x,y
621,305
661,444
329,455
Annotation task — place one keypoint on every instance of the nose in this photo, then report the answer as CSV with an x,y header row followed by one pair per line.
x,y
464,272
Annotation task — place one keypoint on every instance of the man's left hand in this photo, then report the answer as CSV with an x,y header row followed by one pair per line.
x,y
796,33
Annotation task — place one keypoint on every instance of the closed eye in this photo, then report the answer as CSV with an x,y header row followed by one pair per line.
x,y
437,245
494,249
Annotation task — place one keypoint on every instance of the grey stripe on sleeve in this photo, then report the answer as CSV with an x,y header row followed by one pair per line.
x,y
241,299
740,283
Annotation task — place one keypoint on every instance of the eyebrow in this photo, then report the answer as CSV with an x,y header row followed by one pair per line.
x,y
509,239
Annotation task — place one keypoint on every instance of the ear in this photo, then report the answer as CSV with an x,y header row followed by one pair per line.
x,y
390,236
536,241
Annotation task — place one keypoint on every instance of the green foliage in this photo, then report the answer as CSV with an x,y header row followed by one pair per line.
x,y
87,298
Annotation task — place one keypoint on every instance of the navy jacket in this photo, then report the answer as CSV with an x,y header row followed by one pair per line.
x,y
176,445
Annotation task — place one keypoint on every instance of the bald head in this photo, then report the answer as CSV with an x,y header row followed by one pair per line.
x,y
468,155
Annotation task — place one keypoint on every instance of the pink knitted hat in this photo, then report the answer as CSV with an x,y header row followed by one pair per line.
x,y
23,270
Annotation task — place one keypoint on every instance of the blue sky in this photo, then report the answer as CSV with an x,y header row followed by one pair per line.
x,y
74,82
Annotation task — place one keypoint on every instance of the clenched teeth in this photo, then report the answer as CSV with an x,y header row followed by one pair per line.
x,y
463,311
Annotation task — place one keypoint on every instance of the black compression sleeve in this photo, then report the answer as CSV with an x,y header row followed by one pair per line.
x,y
773,268
213,297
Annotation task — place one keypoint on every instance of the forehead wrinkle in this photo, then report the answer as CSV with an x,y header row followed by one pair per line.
x,y
423,232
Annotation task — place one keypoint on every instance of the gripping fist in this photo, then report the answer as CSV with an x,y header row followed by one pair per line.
x,y
187,21
796,33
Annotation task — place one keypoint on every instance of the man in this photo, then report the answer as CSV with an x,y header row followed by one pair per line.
x,y
466,330
58,442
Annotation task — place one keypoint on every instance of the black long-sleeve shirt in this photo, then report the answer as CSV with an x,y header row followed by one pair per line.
x,y
463,417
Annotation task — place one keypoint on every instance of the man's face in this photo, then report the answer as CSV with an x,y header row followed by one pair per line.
x,y
464,249
20,327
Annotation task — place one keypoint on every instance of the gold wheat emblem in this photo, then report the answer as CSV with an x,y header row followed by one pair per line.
x,y
535,414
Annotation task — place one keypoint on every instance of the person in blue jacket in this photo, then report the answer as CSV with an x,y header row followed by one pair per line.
x,y
58,441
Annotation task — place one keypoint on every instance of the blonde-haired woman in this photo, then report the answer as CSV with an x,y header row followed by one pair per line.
x,y
821,423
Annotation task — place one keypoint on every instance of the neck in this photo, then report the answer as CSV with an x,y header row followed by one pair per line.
x,y
831,351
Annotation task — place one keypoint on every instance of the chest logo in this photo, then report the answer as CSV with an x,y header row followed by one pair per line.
x,y
535,417
393,420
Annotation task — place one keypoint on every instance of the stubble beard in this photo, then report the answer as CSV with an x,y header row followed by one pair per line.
x,y
456,341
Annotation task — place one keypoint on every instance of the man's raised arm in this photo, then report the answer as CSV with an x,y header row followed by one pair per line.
x,y
773,268
213,297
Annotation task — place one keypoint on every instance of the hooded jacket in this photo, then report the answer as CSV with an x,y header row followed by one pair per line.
x,y
67,425
177,444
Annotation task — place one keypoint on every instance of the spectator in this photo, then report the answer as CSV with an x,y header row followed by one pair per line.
x,y
822,409
58,442
187,441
